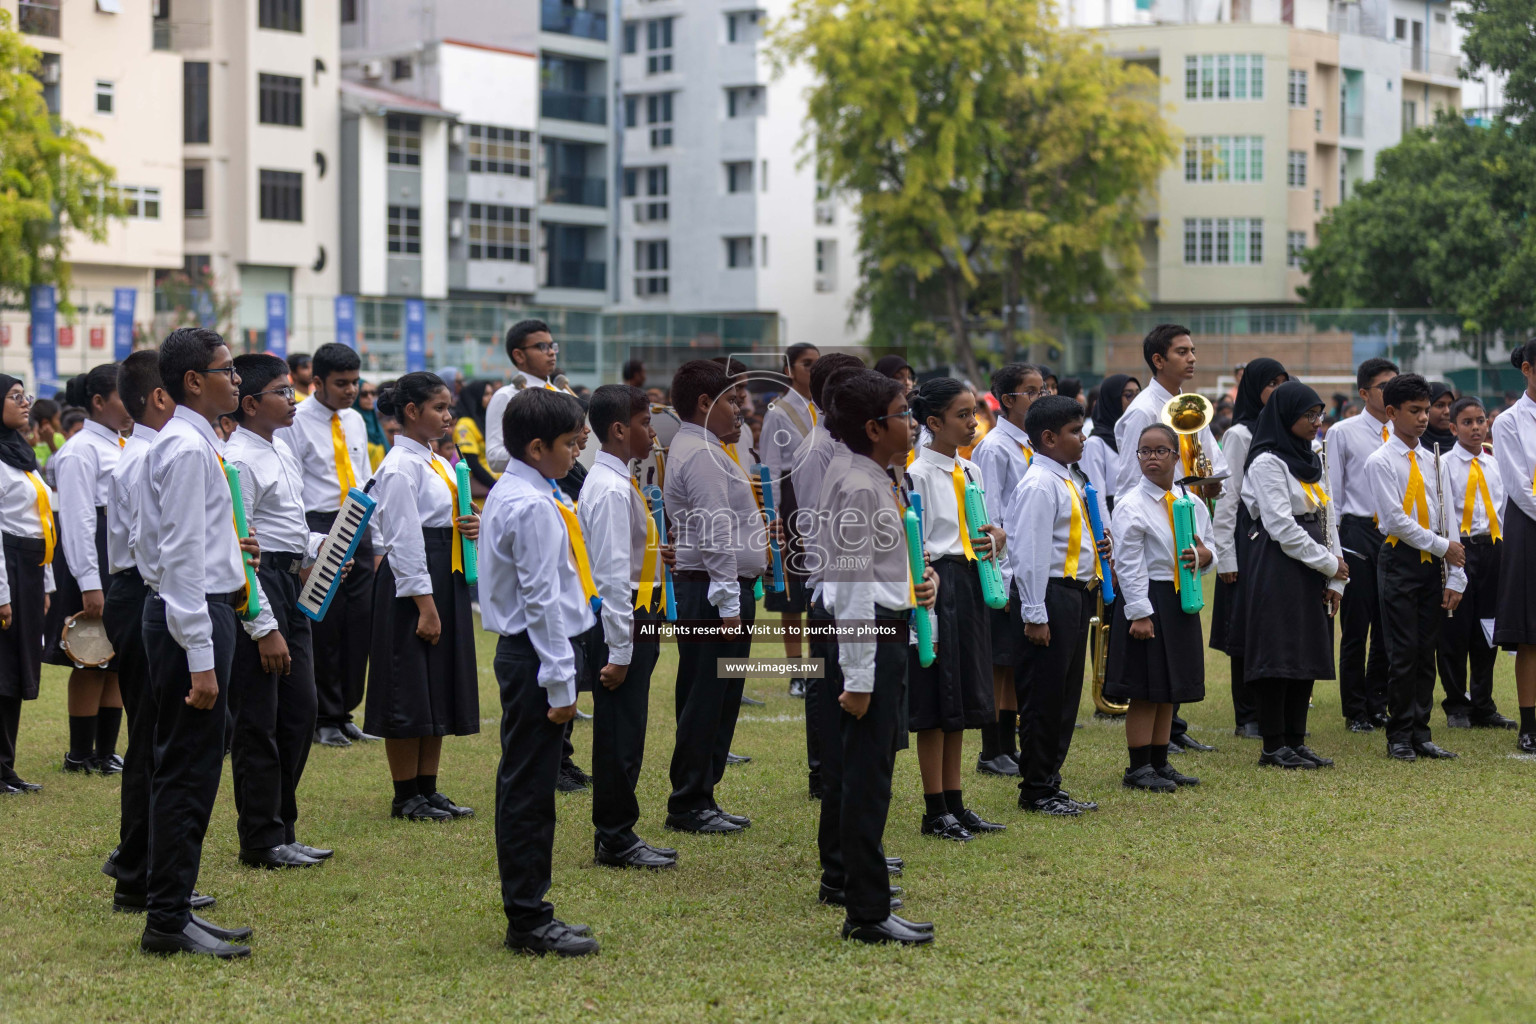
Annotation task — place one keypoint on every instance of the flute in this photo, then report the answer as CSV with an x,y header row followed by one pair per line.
x,y
1327,509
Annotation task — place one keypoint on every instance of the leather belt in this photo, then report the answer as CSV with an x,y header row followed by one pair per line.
x,y
1075,584
283,561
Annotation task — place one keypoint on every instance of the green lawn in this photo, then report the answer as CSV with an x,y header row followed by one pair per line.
x,y
1370,891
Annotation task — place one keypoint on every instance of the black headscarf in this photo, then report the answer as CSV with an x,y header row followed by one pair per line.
x,y
1107,410
1250,390
14,450
469,403
1431,437
1273,432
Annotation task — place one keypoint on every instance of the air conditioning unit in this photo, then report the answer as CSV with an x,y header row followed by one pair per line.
x,y
372,69
455,227
51,73
825,283
456,136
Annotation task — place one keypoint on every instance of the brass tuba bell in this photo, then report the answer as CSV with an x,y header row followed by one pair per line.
x,y
1188,414
1098,640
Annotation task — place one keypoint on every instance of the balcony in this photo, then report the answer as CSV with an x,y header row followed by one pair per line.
x,y
38,17
577,274
577,191
181,35
1352,126
1441,65
570,20
591,108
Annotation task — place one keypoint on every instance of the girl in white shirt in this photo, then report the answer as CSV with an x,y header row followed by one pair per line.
x,y
1514,444
422,682
1101,455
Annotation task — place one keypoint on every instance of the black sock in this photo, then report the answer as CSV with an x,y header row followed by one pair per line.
x,y
405,789
933,805
989,737
1528,720
426,784
1140,757
108,722
1007,731
82,736
1159,755
954,802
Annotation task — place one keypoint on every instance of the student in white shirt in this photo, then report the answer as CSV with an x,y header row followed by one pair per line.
x,y
1407,493
1155,658
954,693
787,424
422,681
536,593
1514,444
1101,451
82,469
1169,352
534,353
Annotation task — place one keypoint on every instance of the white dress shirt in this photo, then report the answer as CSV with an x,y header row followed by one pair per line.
x,y
715,523
1040,507
1514,445
83,470
187,531
1002,456
411,497
1275,498
831,463
1458,465
528,581
787,423
1100,464
122,526
1350,443
613,519
1234,445
18,518
1144,544
496,454
810,466
310,442
931,475
1146,409
1388,473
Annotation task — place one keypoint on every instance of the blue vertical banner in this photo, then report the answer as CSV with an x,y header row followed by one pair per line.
x,y
346,321
415,335
123,300
277,324
45,353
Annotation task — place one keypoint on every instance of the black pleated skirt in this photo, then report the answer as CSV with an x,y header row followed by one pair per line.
x,y
1167,669
1516,622
415,688
67,600
1293,638
21,646
1226,608
955,692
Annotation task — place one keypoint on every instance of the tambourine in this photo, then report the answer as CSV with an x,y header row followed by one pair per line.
x,y
85,640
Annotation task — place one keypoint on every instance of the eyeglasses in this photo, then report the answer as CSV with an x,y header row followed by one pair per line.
x,y
1153,453
1315,415
905,414
286,392
547,347
1029,393
230,370
21,399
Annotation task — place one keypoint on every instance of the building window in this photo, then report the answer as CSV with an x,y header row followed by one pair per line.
x,y
105,96
1224,76
1296,168
1317,120
194,94
1317,200
404,232
193,201
743,26
1400,28
652,184
282,195
281,100
140,202
402,139
738,252
349,12
738,176
631,36
658,114
658,44
494,150
1410,116
1295,245
1296,88
38,17
400,69
282,15
1222,158
1224,241
826,265
651,263
745,101
500,233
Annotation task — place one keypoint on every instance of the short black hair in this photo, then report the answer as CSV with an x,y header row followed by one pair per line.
x,y
695,379
1463,404
834,381
796,351
633,367
1523,354
70,418
893,364
1050,412
1404,388
615,403
1173,435
334,358
1070,387
1010,376
518,333
934,396
1159,340
98,381
184,350
257,370
297,361
137,378
862,395
823,369
536,414
44,409
415,388
1371,369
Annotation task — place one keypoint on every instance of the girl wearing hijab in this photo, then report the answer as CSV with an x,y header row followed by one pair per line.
x,y
1101,455
1441,397
1295,566
1231,528
26,574
378,441
469,433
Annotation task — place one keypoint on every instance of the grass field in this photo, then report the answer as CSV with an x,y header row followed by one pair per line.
x,y
1370,891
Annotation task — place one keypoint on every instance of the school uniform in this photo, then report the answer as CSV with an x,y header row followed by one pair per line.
x,y
1514,445
496,454
1230,527
822,458
28,545
1407,491
1100,464
1476,493
274,713
82,469
787,425
1003,457
331,449
415,688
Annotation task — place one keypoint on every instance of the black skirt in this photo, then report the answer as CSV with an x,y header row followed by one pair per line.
x,y
955,692
1227,607
1010,647
1516,621
1293,639
21,646
415,688
1167,669
67,600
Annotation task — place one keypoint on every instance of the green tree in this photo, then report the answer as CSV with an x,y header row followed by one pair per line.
x,y
50,184
1501,36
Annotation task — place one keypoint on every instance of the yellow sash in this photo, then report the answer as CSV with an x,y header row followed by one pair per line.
x,y
1075,534
1029,456
965,533
1314,493
578,542
647,586
44,516
453,512
1415,502
1478,484
344,474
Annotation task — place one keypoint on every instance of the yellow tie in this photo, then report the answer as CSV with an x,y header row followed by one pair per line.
x,y
912,454
965,533
756,495
344,474
1383,433
813,415
1315,494
1173,531
647,586
1029,456
1478,484
122,443
1075,534
453,512
901,511
44,516
577,541
1415,502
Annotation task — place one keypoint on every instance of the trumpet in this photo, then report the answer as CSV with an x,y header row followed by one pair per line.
x,y
1189,414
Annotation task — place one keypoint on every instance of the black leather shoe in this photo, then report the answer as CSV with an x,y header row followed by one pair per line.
x,y
751,702
417,808
276,857
1458,722
570,780
661,851
1381,718
556,937
1188,742
734,758
1493,721
891,870
1176,777
1146,778
1248,731
356,735
894,863
1285,757
1401,752
976,825
1002,764
740,820
77,765
917,926
886,931
1433,752
814,786
704,823
317,852
21,785
1360,725
1082,805
201,902
222,934
1526,743
331,736
190,939
136,903
575,929
1054,805
1313,756
112,764
442,803
797,688
637,856
109,867
839,898
946,826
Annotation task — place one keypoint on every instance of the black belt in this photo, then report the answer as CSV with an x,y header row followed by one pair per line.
x,y
1308,517
1482,540
961,559
1358,520
26,545
235,598
1075,584
283,561
131,575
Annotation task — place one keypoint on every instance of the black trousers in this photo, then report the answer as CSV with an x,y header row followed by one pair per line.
x,y
341,640
816,733
10,724
706,705
1245,702
1283,705
1411,615
1052,691
189,758
1362,651
123,617
274,719
619,719
525,784
1462,639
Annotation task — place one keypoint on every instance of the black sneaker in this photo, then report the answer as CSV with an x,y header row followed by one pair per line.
x,y
1526,742
442,803
1361,725
1313,756
976,825
112,764
1287,758
946,826
1177,777
1053,805
417,808
797,688
555,937
78,765
570,780
1146,778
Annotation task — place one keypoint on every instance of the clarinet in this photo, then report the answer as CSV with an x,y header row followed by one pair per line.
x,y
1441,520
1327,509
